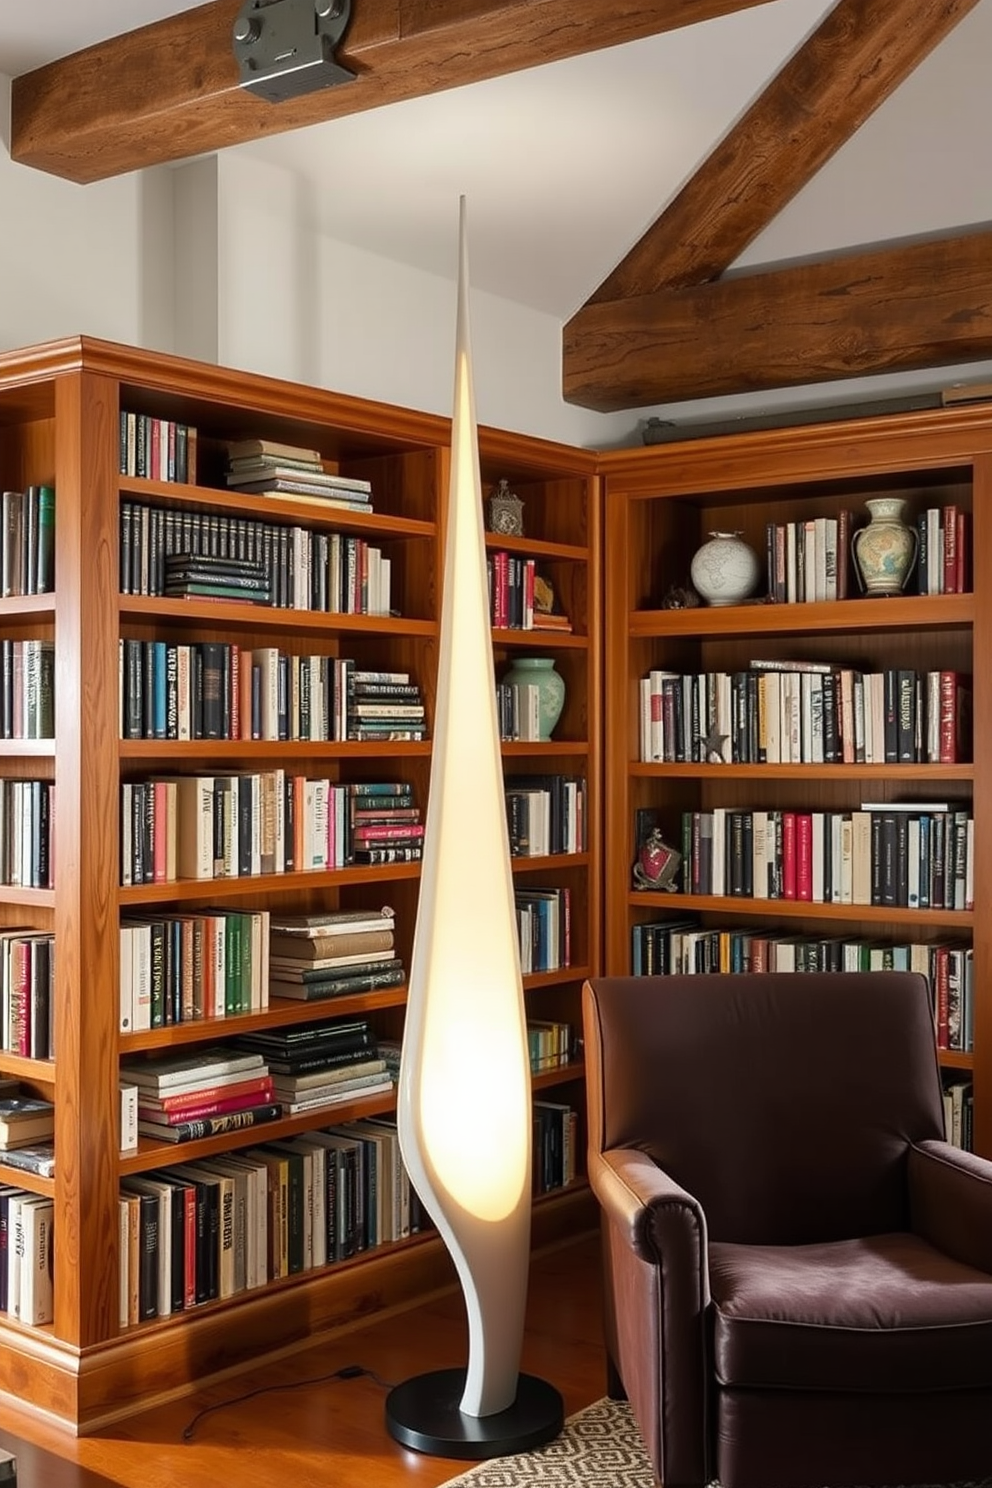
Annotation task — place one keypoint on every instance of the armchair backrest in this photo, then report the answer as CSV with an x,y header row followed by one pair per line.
x,y
784,1103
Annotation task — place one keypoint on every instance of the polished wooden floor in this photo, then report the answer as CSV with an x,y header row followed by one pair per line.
x,y
308,1434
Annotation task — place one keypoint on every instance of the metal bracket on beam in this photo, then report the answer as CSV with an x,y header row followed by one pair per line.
x,y
285,48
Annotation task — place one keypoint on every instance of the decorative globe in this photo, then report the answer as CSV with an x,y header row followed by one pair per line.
x,y
725,570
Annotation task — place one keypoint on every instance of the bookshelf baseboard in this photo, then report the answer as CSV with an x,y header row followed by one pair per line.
x,y
84,1390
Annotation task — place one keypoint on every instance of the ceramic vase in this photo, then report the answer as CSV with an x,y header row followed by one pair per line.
x,y
540,671
885,550
725,570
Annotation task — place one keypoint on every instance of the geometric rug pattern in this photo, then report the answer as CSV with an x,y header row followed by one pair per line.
x,y
600,1447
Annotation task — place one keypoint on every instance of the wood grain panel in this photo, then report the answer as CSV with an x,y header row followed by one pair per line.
x,y
927,304
171,90
855,58
86,831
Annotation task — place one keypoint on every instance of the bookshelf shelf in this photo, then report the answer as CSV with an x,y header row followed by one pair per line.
x,y
540,640
27,607
660,505
773,909
194,890
561,1074
60,422
232,616
151,1154
31,1181
316,513
916,612
531,547
166,753
282,1012
898,774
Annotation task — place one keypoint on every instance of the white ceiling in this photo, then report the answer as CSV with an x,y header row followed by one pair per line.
x,y
564,166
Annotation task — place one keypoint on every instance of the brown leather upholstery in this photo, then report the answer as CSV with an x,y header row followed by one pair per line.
x,y
799,1268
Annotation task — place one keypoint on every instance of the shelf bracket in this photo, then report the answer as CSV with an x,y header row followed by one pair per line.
x,y
285,48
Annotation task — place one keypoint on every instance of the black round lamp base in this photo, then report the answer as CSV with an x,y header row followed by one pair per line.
x,y
423,1413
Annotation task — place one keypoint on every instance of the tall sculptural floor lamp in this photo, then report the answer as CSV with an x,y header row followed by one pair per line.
x,y
464,1109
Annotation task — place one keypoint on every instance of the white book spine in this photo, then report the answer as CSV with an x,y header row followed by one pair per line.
x,y
129,1118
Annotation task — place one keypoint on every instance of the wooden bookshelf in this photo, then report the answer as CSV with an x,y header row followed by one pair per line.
x,y
59,425
660,505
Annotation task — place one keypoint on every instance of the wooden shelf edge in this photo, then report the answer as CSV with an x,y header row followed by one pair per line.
x,y
233,614
962,919
281,512
923,611
896,772
160,752
282,1012
192,889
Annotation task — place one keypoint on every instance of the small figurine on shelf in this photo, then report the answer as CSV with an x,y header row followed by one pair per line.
x,y
506,512
657,863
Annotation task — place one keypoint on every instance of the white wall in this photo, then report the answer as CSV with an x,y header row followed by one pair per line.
x,y
69,261
295,303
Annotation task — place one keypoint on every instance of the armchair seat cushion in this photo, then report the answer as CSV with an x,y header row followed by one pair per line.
x,y
881,1314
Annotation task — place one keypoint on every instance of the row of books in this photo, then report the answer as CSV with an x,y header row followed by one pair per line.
x,y
943,550
550,1043
515,595
544,927
157,449
174,968
27,1224
793,712
219,690
192,1233
910,855
812,560
27,1006
959,1114
265,467
27,815
683,946
518,710
27,541
27,689
545,814
555,1146
234,826
290,567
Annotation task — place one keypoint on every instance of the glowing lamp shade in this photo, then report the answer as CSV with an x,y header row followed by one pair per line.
x,y
464,1111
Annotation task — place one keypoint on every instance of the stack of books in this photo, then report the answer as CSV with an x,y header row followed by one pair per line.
x,y
27,1126
385,823
215,1090
263,467
344,951
384,705
206,576
322,1064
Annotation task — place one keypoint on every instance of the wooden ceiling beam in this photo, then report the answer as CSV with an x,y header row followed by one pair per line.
x,y
927,303
170,90
858,55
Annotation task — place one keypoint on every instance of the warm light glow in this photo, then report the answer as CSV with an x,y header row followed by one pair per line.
x,y
464,1094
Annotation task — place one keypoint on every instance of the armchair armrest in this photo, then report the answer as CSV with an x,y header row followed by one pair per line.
x,y
657,1217
950,1196
657,1284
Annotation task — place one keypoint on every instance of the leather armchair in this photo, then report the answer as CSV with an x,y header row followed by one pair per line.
x,y
798,1268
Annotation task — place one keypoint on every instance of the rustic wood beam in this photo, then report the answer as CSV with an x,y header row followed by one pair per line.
x,y
859,54
922,304
170,90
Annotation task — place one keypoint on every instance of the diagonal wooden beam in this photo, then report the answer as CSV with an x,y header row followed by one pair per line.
x,y
922,304
170,90
858,55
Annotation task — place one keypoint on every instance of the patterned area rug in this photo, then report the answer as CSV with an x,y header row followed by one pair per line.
x,y
600,1447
